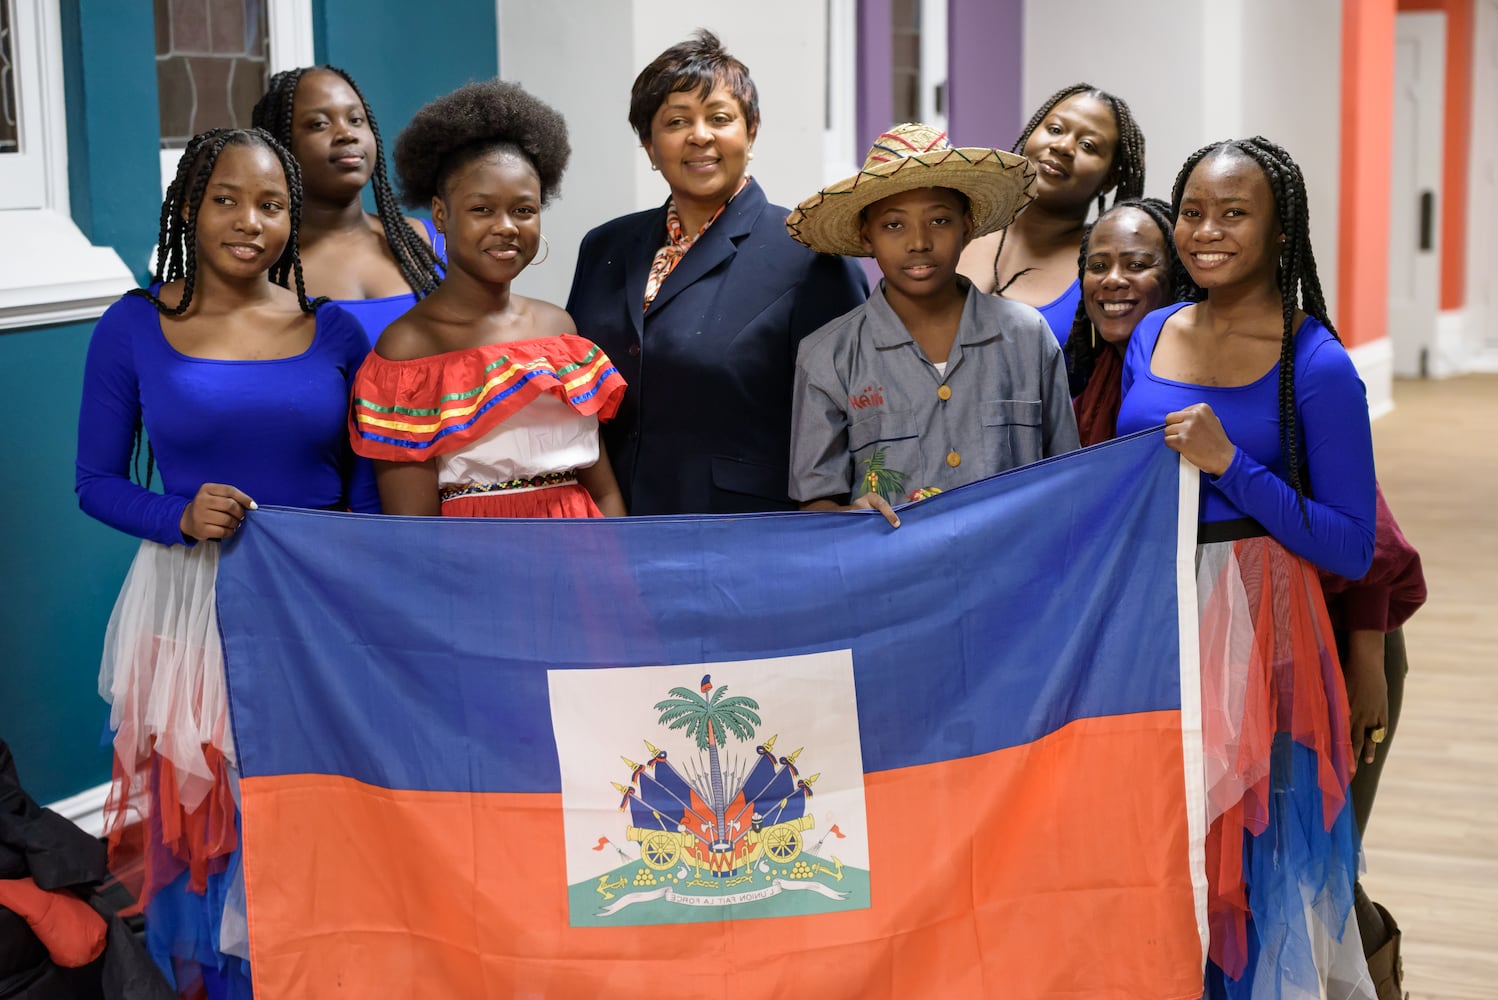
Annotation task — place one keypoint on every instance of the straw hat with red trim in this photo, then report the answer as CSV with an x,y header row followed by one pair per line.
x,y
997,185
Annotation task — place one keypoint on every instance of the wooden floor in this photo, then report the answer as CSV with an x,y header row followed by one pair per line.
x,y
1432,842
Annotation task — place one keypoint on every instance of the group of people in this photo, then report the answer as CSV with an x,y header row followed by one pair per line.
x,y
719,354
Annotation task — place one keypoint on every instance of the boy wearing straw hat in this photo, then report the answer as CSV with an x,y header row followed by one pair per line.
x,y
930,384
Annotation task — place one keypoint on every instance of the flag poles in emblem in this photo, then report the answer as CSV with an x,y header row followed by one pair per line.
x,y
703,718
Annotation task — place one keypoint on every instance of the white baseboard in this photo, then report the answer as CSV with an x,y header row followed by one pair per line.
x,y
1375,364
86,809
1485,363
1450,351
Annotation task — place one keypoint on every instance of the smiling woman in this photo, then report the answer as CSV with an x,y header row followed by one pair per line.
x,y
1128,267
1255,390
240,385
703,300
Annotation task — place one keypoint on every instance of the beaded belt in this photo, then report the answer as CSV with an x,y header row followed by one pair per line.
x,y
542,481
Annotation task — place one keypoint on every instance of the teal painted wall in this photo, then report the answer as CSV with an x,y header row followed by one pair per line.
x,y
62,572
114,167
401,63
63,569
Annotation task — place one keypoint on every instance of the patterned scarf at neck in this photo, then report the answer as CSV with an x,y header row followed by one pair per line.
x,y
677,245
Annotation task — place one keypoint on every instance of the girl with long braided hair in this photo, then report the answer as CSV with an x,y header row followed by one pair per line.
x,y
1128,267
1256,391
240,386
373,265
1084,144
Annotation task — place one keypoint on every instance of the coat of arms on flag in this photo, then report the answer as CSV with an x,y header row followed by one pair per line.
x,y
956,759
737,795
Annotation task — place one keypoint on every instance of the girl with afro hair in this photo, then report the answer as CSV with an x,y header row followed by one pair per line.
x,y
479,402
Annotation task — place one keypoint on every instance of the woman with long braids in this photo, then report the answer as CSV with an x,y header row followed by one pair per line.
x,y
1255,390
1128,268
1084,144
240,387
374,266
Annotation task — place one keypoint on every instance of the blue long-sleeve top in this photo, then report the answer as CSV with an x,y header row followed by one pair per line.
x,y
276,429
1335,442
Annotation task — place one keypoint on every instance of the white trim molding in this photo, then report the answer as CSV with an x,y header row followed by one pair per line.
x,y
289,31
1451,349
1375,364
86,809
49,272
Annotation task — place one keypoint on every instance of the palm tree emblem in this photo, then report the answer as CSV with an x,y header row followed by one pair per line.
x,y
877,478
709,720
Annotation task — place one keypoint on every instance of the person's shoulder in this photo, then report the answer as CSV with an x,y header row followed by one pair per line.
x,y
1319,353
1014,319
339,326
130,309
550,320
406,339
824,345
1147,330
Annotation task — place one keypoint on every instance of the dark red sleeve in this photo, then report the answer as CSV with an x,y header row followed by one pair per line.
x,y
1390,592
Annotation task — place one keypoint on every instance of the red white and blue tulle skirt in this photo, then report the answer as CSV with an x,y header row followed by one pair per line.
x,y
1282,851
172,818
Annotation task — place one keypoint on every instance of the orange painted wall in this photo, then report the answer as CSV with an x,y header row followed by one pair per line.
x,y
1457,140
1367,133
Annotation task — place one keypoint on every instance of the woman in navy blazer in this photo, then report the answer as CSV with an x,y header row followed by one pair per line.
x,y
706,339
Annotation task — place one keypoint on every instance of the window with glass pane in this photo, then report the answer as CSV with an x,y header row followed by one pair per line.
x,y
10,130
211,65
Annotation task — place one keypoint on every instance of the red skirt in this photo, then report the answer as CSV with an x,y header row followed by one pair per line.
x,y
565,500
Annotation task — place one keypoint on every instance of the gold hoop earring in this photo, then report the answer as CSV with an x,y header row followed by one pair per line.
x,y
544,256
1091,326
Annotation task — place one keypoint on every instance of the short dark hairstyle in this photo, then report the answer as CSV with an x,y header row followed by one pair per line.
x,y
701,64
474,120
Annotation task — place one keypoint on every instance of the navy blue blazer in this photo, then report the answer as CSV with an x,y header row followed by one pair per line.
x,y
705,425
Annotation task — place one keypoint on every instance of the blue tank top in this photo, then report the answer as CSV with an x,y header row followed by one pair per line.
x,y
1061,311
376,314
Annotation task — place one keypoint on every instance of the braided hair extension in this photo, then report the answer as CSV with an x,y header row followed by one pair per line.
x,y
1126,170
1299,284
275,112
176,241
1080,350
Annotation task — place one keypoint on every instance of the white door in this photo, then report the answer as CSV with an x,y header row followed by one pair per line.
x,y
1415,219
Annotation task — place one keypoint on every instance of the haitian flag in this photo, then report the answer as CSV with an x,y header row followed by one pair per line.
x,y
737,756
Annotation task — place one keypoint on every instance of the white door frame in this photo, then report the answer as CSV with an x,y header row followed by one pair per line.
x,y
1418,151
